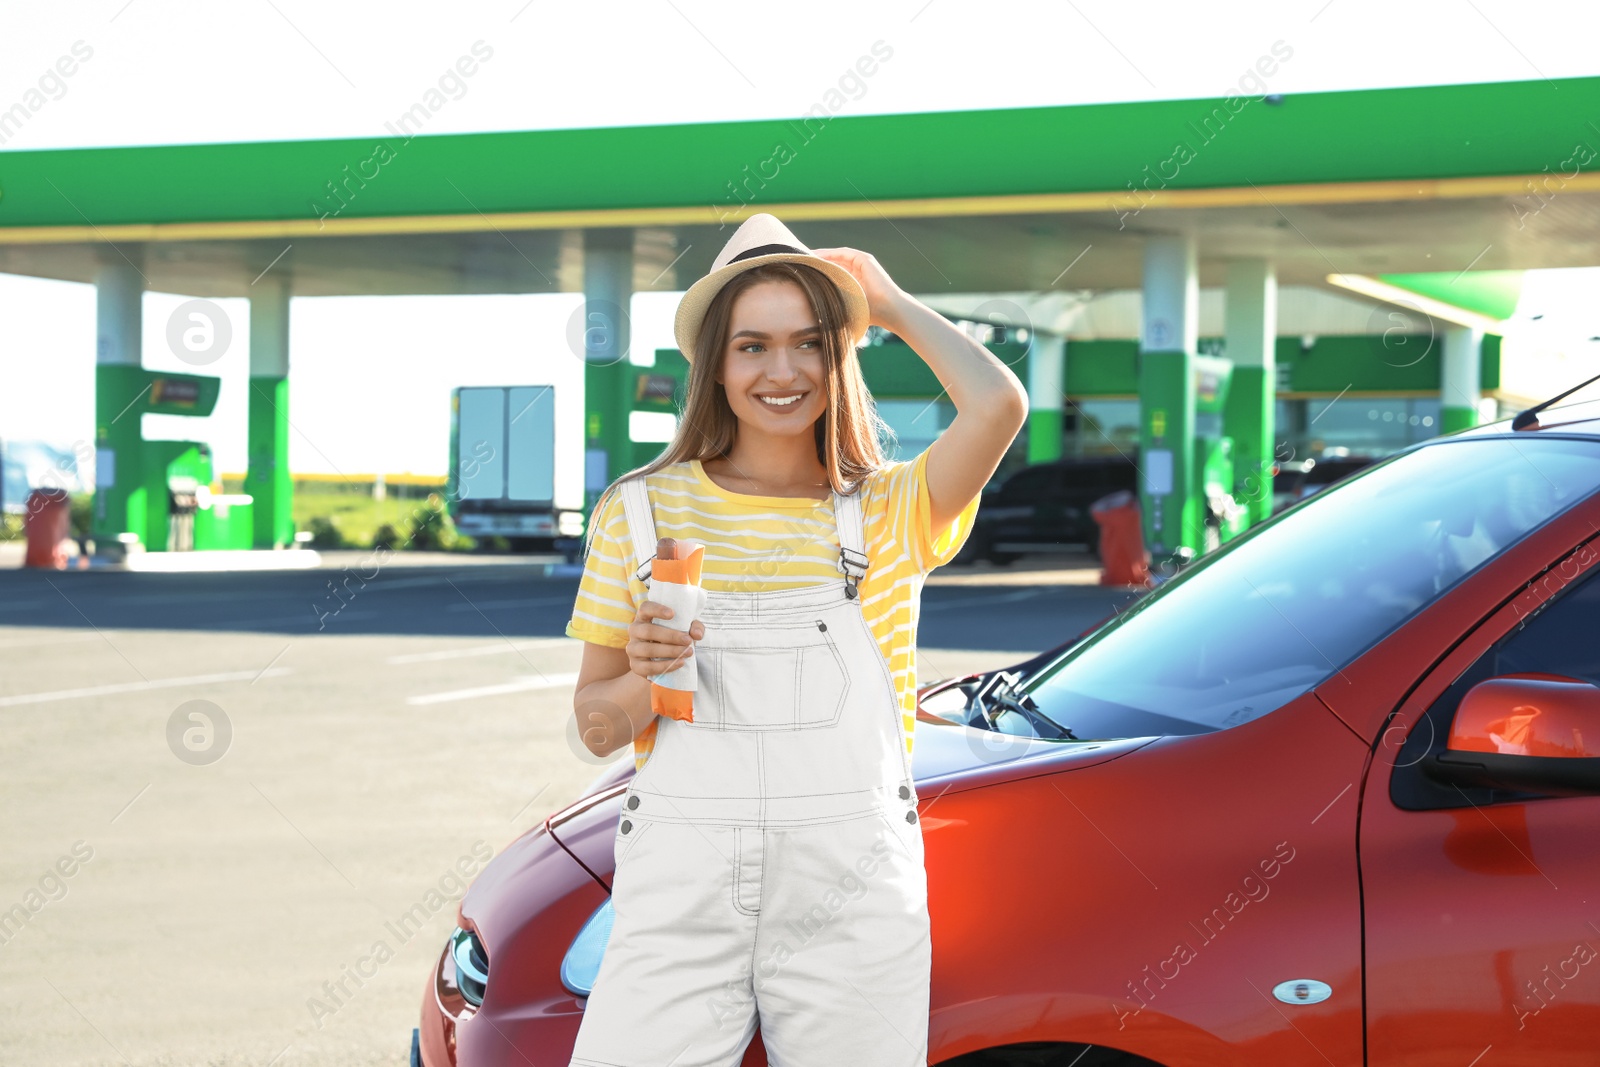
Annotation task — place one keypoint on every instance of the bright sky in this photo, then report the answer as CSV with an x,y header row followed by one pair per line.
x,y
163,71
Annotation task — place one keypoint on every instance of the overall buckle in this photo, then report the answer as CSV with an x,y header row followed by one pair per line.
x,y
642,571
854,569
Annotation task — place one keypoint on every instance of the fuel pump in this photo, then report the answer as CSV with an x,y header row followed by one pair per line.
x,y
182,503
1186,458
1224,516
157,493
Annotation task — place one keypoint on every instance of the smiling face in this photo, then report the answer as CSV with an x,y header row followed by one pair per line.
x,y
773,368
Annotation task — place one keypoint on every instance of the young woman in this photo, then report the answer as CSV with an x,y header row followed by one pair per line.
x,y
769,859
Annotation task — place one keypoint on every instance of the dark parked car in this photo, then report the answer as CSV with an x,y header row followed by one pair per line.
x,y
1297,479
1045,508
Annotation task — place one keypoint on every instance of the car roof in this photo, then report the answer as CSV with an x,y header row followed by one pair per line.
x,y
1582,417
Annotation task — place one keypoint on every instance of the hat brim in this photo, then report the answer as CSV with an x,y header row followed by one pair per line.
x,y
692,308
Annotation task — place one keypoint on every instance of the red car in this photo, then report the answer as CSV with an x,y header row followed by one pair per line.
x,y
1330,796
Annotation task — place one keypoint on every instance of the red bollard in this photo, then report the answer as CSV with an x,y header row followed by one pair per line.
x,y
1123,558
45,525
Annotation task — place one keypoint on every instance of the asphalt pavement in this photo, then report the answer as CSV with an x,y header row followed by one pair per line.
x,y
252,775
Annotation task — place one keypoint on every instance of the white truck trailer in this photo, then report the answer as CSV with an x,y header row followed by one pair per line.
x,y
502,468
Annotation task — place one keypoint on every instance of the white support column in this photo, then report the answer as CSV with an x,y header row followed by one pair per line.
x,y
268,479
1171,302
1251,313
607,292
1250,316
608,376
122,509
1169,336
269,328
119,313
1460,389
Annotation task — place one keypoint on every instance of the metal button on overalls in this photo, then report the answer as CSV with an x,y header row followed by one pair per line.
x,y
781,879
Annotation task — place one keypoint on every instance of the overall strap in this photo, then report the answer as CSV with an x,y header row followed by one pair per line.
x,y
851,524
641,523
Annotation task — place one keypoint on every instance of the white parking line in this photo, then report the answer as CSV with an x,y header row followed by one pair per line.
x,y
521,685
479,650
134,687
334,615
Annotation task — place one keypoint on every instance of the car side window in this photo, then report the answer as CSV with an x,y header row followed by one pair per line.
x,y
1558,638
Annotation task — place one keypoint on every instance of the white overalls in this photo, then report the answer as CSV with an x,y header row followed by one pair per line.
x,y
769,858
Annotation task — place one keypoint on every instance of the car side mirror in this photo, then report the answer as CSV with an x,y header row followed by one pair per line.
x,y
1526,733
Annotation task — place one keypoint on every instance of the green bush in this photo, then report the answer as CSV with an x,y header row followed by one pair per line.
x,y
363,522
432,528
433,531
325,533
82,514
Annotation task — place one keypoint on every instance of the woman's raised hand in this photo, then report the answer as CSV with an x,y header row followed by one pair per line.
x,y
656,649
883,295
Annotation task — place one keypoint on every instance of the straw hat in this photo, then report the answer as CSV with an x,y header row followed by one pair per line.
x,y
763,239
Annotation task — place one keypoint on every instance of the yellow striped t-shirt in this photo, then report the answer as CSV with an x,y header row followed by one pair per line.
x,y
761,543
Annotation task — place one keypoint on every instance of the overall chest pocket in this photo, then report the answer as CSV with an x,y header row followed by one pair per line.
x,y
787,676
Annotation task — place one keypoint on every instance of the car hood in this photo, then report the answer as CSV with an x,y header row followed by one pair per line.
x,y
945,756
940,748
953,756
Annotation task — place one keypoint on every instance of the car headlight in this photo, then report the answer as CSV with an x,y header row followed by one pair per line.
x,y
581,965
472,965
571,523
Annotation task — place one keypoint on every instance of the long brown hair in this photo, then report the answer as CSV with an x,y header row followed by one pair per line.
x,y
848,432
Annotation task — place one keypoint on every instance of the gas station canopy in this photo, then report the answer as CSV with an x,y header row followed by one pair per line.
x,y
1373,182
1445,193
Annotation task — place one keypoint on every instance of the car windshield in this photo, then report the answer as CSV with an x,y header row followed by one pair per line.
x,y
1266,618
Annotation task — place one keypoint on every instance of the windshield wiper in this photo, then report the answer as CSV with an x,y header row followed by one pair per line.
x,y
1000,692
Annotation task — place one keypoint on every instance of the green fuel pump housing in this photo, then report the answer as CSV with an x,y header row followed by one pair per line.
x,y
1223,516
157,492
1187,478
663,388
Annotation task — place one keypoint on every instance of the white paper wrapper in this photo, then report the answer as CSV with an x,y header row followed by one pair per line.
x,y
686,602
